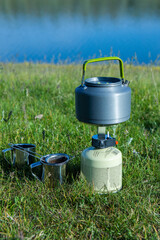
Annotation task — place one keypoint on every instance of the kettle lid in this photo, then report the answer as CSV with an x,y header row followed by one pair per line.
x,y
103,82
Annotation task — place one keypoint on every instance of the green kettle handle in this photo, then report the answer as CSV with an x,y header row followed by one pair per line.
x,y
100,60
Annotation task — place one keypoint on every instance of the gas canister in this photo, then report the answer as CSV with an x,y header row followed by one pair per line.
x,y
102,168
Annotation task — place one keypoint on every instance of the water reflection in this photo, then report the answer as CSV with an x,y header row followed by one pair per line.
x,y
51,30
85,8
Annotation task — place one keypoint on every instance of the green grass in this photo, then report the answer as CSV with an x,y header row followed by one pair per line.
x,y
29,210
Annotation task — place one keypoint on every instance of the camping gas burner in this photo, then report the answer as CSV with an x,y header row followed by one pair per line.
x,y
103,101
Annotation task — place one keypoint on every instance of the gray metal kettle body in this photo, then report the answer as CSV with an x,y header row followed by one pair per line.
x,y
103,100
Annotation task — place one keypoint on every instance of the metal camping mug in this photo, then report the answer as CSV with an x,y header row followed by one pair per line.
x,y
53,168
21,154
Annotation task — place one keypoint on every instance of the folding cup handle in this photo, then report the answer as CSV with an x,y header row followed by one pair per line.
x,y
4,152
33,165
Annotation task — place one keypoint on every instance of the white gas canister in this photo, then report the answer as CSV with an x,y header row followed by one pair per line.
x,y
102,168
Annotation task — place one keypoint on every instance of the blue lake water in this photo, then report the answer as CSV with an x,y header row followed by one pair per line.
x,y
54,34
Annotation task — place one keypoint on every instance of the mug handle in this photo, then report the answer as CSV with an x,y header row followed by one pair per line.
x,y
33,165
4,152
100,60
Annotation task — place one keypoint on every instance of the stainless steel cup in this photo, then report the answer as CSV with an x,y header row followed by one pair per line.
x,y
54,168
21,154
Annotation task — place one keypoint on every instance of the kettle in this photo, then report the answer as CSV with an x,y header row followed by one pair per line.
x,y
103,100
